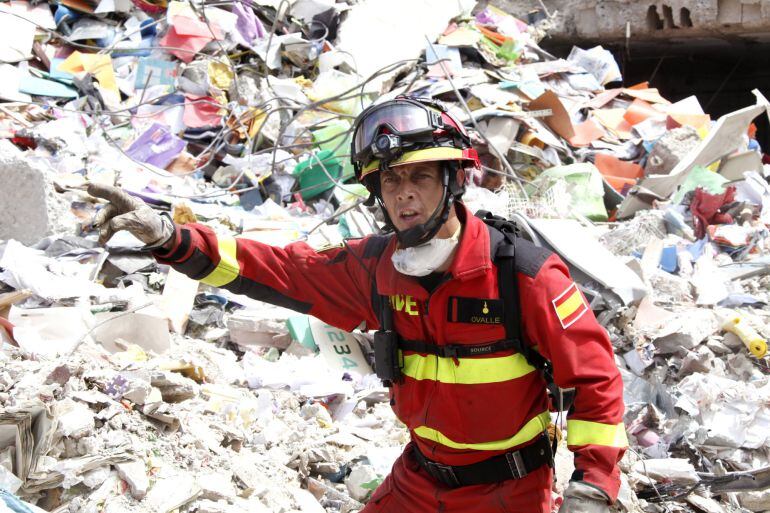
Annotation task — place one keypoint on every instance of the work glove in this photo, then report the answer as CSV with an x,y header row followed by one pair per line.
x,y
580,497
125,212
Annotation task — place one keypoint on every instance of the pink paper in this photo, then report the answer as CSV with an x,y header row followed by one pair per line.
x,y
183,47
200,114
187,36
186,26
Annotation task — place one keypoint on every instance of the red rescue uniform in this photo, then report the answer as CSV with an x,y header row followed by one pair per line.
x,y
459,411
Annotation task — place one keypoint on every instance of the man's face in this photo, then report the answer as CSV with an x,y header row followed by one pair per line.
x,y
411,192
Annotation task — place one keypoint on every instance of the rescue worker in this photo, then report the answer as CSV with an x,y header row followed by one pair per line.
x,y
476,409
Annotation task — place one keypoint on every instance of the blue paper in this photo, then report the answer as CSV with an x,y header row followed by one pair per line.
x,y
163,73
59,74
42,87
668,259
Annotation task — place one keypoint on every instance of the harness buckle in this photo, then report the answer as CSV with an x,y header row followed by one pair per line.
x,y
450,351
516,464
444,473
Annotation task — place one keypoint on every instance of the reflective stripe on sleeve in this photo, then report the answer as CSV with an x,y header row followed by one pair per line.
x,y
584,432
467,371
228,268
531,429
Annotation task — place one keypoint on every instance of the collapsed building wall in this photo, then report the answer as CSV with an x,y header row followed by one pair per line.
x,y
613,20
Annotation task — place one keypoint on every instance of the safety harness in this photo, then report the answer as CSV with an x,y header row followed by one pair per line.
x,y
388,360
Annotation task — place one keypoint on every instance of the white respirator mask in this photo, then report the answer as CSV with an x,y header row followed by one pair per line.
x,y
426,258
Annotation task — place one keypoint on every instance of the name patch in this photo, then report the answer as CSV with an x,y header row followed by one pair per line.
x,y
475,310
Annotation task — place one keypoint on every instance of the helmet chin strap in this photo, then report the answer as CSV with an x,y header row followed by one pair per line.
x,y
426,231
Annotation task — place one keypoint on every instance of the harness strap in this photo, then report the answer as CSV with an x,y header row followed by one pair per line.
x,y
511,465
457,351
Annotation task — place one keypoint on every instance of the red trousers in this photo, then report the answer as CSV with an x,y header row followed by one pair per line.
x,y
409,488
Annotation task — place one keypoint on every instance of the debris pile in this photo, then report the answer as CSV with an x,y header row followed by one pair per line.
x,y
126,386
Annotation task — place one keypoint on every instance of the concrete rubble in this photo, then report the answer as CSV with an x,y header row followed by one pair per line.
x,y
128,387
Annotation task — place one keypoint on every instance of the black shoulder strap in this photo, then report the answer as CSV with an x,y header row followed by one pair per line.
x,y
381,306
508,286
508,289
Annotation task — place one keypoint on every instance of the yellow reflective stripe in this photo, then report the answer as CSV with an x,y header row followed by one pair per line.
x,y
531,429
228,269
568,307
584,432
424,155
470,371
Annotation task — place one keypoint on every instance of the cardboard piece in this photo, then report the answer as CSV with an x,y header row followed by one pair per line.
x,y
146,331
559,121
177,299
734,166
501,132
339,348
580,249
18,25
50,332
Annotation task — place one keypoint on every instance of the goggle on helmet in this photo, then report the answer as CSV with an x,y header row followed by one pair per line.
x,y
406,130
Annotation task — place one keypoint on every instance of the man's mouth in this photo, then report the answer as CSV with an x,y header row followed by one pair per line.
x,y
409,217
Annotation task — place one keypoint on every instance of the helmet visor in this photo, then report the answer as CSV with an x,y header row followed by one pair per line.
x,y
400,118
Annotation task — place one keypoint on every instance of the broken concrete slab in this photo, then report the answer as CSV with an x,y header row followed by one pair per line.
x,y
670,149
676,470
30,208
135,474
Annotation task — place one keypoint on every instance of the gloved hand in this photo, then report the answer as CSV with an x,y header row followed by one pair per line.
x,y
125,212
583,498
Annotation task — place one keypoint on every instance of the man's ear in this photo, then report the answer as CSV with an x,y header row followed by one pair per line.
x,y
461,175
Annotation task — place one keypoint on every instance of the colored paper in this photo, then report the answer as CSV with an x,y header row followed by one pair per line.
x,y
639,111
650,95
186,26
586,133
187,36
42,87
200,113
618,173
99,65
602,99
613,120
152,72
697,121
156,146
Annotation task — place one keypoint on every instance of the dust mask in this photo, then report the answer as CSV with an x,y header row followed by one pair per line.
x,y
426,258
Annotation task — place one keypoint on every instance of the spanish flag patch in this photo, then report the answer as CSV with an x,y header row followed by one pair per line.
x,y
570,306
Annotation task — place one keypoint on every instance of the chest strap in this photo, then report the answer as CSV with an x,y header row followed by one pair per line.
x,y
456,350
